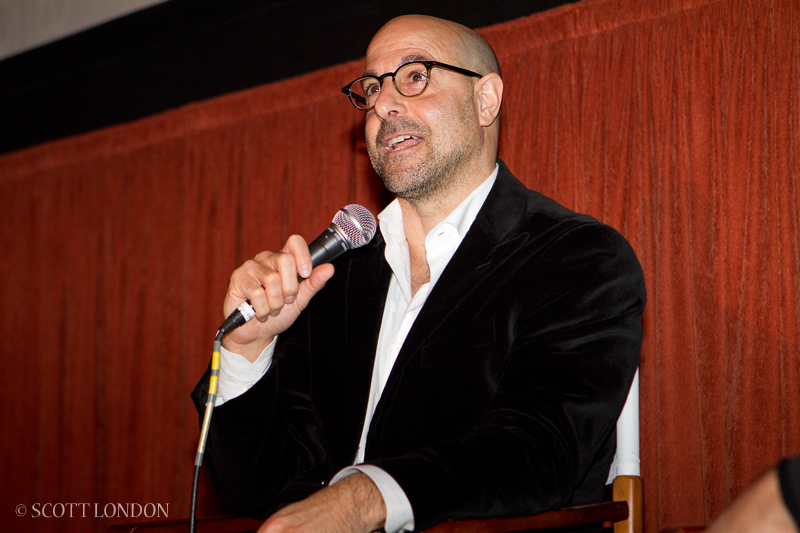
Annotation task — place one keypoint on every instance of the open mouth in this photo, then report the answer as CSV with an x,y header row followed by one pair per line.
x,y
402,141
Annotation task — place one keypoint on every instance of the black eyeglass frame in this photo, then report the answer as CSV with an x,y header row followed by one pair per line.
x,y
354,98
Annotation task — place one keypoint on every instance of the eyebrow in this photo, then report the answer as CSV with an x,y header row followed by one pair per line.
x,y
405,60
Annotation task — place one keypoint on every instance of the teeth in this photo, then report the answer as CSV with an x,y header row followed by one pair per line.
x,y
394,141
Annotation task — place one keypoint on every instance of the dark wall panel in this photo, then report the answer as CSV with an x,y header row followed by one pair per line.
x,y
186,50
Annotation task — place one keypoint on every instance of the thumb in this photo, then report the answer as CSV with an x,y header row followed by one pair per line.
x,y
314,283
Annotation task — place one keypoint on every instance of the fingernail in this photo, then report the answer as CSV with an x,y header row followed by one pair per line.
x,y
289,299
305,271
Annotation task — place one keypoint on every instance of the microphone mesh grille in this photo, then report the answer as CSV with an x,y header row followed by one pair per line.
x,y
357,223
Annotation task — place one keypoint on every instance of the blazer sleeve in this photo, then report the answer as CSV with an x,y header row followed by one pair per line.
x,y
573,339
266,438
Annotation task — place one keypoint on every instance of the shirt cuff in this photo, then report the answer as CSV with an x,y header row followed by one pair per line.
x,y
237,374
399,515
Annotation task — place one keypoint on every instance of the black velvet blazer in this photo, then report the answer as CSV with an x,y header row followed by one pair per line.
x,y
503,400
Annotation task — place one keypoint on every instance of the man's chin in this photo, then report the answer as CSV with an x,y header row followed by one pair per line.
x,y
410,185
396,171
393,183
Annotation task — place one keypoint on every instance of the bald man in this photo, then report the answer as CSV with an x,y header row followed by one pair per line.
x,y
470,362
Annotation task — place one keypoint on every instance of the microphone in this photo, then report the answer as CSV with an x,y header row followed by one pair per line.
x,y
353,226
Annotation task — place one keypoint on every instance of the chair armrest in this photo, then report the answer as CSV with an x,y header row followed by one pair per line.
x,y
222,524
571,516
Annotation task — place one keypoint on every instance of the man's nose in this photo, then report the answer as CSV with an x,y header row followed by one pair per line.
x,y
389,102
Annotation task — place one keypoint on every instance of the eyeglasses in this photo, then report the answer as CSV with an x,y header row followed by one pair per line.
x,y
410,80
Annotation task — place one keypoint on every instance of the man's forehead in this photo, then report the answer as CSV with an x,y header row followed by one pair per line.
x,y
410,58
386,55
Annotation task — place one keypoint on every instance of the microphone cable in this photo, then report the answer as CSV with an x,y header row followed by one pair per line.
x,y
240,316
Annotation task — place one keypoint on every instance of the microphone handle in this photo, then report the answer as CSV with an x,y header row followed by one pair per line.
x,y
328,246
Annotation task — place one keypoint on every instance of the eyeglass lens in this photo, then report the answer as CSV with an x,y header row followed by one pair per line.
x,y
410,80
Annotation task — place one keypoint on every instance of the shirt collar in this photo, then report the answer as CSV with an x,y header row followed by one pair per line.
x,y
440,243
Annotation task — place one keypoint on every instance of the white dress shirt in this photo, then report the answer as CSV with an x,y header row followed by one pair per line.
x,y
401,309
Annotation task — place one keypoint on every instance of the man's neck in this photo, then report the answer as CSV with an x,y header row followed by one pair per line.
x,y
421,216
415,223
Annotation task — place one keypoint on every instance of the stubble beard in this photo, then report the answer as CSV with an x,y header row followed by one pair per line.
x,y
426,179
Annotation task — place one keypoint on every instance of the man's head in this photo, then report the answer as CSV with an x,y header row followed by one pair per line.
x,y
426,145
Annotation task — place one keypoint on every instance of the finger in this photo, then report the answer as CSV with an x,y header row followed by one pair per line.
x,y
258,281
315,282
286,265
297,246
276,272
320,276
245,284
272,285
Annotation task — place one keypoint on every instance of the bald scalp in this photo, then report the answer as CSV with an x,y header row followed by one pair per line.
x,y
478,54
472,50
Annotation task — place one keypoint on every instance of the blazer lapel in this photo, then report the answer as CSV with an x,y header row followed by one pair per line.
x,y
364,313
489,242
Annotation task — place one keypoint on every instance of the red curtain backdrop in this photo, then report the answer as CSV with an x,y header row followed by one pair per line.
x,y
673,120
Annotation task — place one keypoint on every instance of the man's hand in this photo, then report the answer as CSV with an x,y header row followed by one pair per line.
x,y
270,282
352,505
759,509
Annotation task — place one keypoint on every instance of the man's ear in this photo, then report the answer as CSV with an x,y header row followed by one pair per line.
x,y
489,96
